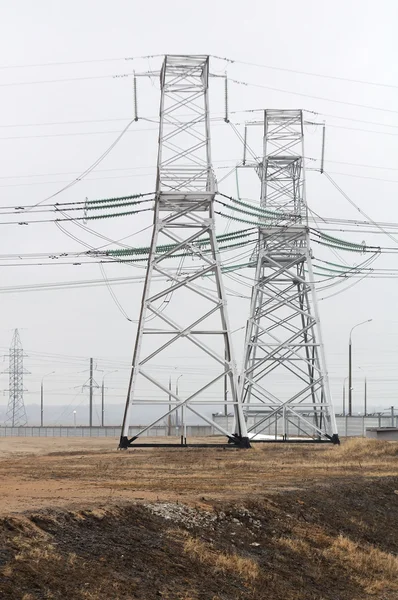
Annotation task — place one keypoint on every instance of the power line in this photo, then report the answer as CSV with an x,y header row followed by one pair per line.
x,y
308,73
91,167
65,80
78,62
293,93
356,120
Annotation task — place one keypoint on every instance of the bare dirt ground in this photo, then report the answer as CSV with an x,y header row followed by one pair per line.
x,y
37,473
81,520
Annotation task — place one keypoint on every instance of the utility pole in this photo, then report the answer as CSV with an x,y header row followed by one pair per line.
x,y
42,398
365,400
91,384
350,377
392,417
350,365
91,393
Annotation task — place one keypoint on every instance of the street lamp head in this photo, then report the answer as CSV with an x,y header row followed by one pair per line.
x,y
109,373
46,375
357,325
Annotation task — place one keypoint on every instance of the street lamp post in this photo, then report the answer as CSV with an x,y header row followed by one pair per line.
x,y
344,382
350,366
103,396
42,398
177,424
74,419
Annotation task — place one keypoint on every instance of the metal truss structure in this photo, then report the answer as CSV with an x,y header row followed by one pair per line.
x,y
183,305
16,413
284,384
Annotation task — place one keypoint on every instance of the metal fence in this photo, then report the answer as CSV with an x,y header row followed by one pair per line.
x,y
107,431
347,426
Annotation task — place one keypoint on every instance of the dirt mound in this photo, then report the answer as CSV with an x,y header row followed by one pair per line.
x,y
325,542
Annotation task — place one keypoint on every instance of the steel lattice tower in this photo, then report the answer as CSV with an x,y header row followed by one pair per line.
x,y
284,384
16,413
190,305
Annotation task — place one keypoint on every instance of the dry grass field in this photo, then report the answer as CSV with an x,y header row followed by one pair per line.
x,y
81,520
37,473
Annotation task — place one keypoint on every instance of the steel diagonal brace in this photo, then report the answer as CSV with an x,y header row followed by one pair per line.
x,y
320,432
190,181
180,283
255,384
203,347
280,269
182,76
184,403
287,345
189,286
307,391
185,127
279,361
284,404
182,154
176,407
284,302
196,204
269,395
272,304
181,243
284,345
195,251
273,277
180,333
173,147
275,324
283,362
238,441
182,101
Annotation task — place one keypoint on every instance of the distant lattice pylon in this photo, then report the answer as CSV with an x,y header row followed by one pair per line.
x,y
16,413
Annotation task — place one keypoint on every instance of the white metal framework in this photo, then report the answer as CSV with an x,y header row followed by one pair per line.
x,y
183,305
16,413
284,384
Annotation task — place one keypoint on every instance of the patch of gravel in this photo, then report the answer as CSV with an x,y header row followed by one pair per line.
x,y
184,515
193,517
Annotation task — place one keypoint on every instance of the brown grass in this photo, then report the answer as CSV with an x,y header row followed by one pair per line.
x,y
371,567
73,478
233,564
367,449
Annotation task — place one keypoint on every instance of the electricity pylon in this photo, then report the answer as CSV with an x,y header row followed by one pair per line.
x,y
183,304
284,383
16,413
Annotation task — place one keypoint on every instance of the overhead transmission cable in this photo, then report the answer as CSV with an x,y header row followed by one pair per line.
x,y
308,73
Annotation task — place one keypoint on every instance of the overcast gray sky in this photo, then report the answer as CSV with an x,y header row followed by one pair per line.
x,y
341,39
